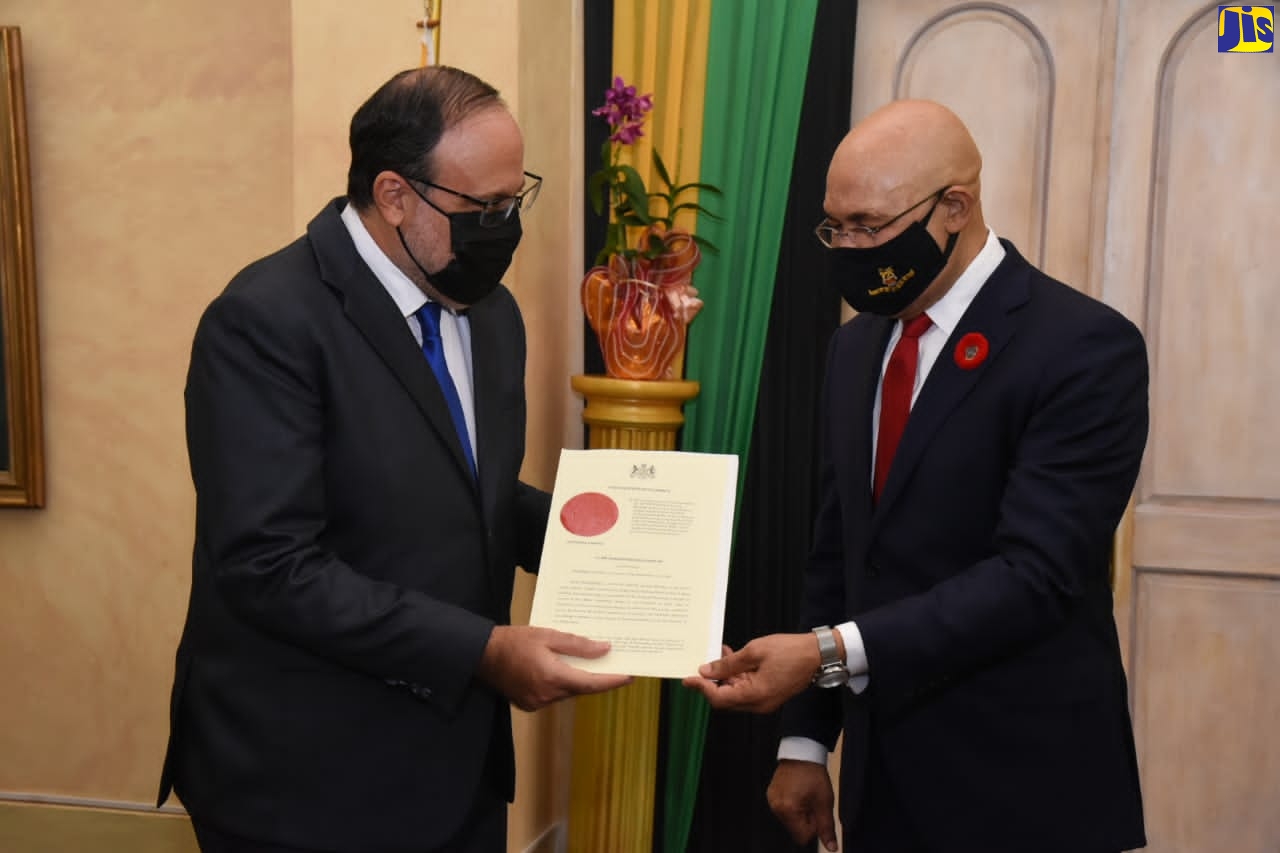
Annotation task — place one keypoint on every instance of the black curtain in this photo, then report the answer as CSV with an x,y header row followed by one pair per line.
x,y
776,511
598,76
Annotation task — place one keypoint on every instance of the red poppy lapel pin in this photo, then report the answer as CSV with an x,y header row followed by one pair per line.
x,y
972,350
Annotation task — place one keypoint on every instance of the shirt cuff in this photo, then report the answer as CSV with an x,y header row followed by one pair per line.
x,y
855,656
802,749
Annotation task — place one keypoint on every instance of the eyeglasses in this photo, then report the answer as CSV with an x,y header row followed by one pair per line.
x,y
828,232
495,211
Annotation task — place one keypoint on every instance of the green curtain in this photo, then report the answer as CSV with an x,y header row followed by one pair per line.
x,y
757,59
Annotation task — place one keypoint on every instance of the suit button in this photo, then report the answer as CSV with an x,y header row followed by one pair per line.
x,y
873,569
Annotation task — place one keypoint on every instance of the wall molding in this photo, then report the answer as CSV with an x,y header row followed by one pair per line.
x,y
21,797
553,839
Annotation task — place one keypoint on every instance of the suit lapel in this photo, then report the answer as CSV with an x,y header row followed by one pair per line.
x,y
992,315
374,313
866,356
486,345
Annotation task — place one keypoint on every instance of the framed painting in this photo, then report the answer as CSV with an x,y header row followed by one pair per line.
x,y
21,429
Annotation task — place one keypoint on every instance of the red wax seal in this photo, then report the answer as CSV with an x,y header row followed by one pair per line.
x,y
589,514
972,350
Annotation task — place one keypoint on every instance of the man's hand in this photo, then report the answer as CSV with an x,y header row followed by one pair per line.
x,y
801,797
523,663
761,676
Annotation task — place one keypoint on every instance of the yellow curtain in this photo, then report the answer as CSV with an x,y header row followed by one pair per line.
x,y
660,46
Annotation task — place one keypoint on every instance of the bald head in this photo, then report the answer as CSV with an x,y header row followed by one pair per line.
x,y
898,155
909,162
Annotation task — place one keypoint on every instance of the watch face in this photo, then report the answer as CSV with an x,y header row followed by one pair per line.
x,y
834,676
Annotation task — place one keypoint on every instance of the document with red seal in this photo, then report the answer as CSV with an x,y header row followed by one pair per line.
x,y
637,553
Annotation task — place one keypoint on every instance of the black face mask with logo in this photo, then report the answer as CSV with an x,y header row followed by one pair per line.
x,y
886,279
481,255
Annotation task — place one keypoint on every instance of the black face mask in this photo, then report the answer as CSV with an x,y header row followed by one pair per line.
x,y
481,255
885,279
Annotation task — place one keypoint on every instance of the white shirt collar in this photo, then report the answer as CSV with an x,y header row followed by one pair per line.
x,y
947,311
407,295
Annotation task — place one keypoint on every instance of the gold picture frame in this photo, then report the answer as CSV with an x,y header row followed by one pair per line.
x,y
21,427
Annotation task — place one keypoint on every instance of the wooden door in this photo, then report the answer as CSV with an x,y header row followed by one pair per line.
x,y
1193,194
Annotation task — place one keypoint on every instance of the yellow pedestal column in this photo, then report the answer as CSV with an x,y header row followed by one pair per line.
x,y
615,735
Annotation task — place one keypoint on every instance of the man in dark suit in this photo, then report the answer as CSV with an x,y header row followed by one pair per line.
x,y
962,553
355,424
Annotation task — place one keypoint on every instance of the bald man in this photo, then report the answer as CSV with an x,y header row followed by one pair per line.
x,y
983,426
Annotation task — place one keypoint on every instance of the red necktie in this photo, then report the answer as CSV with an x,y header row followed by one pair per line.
x,y
895,396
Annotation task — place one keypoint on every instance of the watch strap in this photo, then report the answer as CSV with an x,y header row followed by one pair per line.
x,y
827,648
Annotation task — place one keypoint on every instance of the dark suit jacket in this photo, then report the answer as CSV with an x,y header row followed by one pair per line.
x,y
348,569
980,581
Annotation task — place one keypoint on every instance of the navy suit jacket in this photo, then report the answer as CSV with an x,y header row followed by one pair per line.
x,y
348,568
980,580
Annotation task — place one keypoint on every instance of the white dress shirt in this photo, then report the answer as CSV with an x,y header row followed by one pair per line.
x,y
945,314
455,329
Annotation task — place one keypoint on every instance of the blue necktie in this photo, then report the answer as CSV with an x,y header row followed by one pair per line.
x,y
433,348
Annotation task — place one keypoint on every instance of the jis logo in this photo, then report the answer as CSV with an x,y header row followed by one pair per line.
x,y
1246,29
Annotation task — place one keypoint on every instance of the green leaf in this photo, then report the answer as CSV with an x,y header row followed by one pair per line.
x,y
633,186
710,188
662,168
702,211
706,244
596,191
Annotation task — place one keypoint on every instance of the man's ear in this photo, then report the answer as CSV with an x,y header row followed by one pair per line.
x,y
957,204
391,197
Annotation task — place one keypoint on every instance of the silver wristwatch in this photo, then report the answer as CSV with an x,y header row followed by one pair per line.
x,y
831,672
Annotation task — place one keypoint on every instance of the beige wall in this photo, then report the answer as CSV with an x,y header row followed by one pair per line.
x,y
171,143
549,103
341,52
160,155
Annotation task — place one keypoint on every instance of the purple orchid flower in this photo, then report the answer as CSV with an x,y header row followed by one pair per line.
x,y
627,134
624,110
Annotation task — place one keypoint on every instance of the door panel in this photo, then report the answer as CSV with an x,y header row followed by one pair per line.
x,y
1192,198
1203,642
